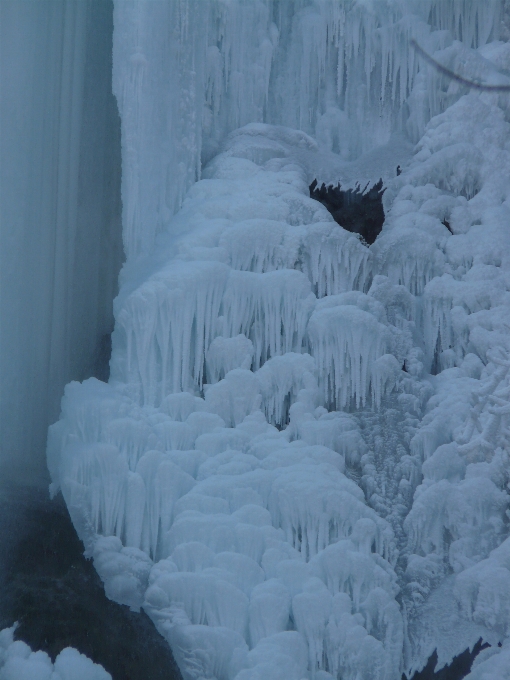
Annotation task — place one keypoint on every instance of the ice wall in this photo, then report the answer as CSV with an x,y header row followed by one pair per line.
x,y
299,466
60,249
260,526
187,73
217,499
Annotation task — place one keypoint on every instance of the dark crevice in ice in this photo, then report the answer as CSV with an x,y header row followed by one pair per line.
x,y
356,210
101,369
447,225
457,670
58,599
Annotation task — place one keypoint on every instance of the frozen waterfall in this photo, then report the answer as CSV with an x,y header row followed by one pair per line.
x,y
299,467
60,232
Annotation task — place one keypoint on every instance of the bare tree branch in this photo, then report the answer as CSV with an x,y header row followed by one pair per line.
x,y
455,76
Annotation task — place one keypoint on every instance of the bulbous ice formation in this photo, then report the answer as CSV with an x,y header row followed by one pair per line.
x,y
17,661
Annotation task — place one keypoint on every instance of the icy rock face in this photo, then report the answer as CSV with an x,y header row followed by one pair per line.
x,y
19,662
303,437
188,73
244,541
459,514
209,464
267,299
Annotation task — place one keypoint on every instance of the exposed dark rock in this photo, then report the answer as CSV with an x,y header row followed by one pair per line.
x,y
56,596
103,355
457,670
447,225
356,210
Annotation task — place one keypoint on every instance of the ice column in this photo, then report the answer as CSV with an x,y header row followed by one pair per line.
x,y
60,248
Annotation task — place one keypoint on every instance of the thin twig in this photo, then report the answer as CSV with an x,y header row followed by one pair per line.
x,y
455,76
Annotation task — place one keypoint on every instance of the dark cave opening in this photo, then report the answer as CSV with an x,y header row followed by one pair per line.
x,y
457,670
447,225
356,210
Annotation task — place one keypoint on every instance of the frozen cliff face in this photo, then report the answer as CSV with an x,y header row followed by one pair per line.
x,y
299,466
231,532
187,73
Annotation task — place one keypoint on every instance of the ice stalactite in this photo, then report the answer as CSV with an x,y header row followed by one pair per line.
x,y
351,341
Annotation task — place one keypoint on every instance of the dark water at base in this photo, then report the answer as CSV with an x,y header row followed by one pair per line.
x,y
56,596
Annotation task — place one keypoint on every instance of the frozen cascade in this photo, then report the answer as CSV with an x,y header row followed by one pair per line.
x,y
342,71
60,225
199,498
302,451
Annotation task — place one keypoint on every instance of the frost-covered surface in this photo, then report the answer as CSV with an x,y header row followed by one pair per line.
x,y
187,73
19,662
299,467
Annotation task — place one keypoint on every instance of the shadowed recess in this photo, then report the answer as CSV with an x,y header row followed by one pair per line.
x,y
457,670
356,210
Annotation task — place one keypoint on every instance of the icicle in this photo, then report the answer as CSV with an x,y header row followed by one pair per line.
x,y
311,610
270,309
336,261
169,324
281,379
346,341
225,354
269,610
314,513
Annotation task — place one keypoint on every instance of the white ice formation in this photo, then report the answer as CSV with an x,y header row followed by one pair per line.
x,y
299,467
19,662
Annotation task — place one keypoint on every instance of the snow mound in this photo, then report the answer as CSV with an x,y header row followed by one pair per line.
x,y
19,662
